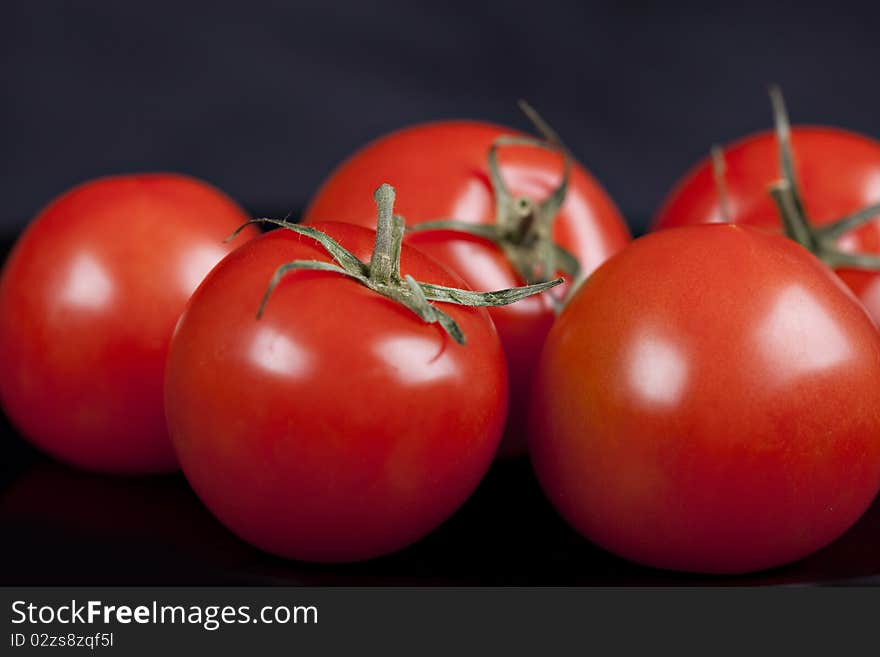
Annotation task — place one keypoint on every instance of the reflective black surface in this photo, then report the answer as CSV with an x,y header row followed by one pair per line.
x,y
62,526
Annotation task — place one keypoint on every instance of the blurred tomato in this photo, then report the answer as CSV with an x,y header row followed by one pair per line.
x,y
838,174
88,300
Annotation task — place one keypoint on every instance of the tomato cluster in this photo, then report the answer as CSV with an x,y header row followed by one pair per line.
x,y
703,398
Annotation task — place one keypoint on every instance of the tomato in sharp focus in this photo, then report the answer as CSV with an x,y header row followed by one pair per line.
x,y
89,298
440,171
708,402
339,426
838,172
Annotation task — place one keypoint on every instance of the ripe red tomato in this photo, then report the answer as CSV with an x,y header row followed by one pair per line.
x,y
708,401
838,172
440,171
88,300
339,426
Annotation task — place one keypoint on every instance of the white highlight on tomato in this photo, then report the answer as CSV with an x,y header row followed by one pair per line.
x,y
850,241
275,352
872,188
87,284
870,294
657,370
800,335
475,201
418,360
197,263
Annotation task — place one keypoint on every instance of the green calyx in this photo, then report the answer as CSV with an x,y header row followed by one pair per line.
x,y
382,273
821,241
523,228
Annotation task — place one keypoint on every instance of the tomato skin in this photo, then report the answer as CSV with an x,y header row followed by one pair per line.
x,y
440,171
89,298
339,426
707,402
838,173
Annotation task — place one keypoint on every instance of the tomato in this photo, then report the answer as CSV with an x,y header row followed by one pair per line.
x,y
89,298
440,171
708,402
339,426
838,172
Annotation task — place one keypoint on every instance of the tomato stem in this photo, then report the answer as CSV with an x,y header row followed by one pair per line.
x,y
385,261
793,221
821,241
719,171
382,274
842,226
523,228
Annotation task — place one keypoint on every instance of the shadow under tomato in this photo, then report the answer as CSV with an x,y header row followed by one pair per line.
x,y
63,526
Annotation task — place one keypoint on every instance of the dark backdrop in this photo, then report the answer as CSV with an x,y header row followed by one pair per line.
x,y
263,98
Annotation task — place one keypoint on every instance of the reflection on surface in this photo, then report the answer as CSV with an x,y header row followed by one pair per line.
x,y
593,247
866,237
872,186
277,353
196,264
61,526
657,370
487,267
719,213
799,335
474,202
73,526
480,264
417,359
870,294
87,284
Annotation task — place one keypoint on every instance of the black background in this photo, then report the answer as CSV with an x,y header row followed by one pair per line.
x,y
263,99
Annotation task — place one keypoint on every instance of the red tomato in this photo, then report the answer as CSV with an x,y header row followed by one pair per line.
x,y
339,426
708,401
440,171
838,173
88,300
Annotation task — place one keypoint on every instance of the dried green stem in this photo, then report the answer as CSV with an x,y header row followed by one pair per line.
x,y
719,174
820,240
385,263
792,220
523,229
850,222
382,274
